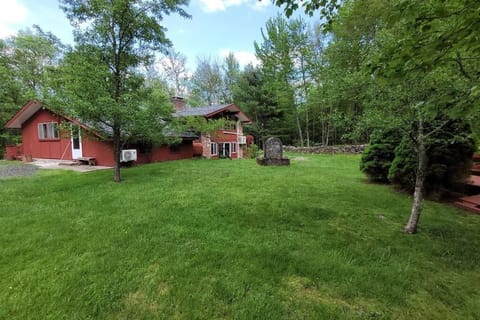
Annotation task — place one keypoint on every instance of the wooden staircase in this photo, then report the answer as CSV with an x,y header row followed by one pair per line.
x,y
469,203
472,203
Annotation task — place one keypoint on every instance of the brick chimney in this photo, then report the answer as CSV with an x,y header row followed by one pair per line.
x,y
179,103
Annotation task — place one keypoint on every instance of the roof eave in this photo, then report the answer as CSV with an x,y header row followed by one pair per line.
x,y
232,107
17,121
32,107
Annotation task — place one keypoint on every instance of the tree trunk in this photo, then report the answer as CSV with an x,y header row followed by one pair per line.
x,y
305,92
314,128
411,226
325,132
117,149
306,126
299,129
322,126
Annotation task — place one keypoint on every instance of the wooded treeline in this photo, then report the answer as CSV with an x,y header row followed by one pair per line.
x,y
370,65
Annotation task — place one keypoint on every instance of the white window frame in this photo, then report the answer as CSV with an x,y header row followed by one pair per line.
x,y
233,146
48,131
213,149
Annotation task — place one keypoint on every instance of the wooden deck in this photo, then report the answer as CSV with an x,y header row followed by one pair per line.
x,y
475,169
473,181
470,203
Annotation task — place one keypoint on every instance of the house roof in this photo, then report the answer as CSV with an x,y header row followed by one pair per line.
x,y
27,111
33,106
210,111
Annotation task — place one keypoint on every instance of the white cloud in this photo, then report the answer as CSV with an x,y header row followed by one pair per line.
x,y
261,5
222,5
243,57
12,12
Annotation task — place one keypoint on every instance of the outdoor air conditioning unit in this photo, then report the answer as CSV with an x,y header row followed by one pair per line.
x,y
128,155
242,140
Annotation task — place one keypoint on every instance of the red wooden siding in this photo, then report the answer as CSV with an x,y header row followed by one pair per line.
x,y
226,136
166,153
92,146
48,149
13,152
102,151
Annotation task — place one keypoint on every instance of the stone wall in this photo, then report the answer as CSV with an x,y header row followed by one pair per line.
x,y
349,149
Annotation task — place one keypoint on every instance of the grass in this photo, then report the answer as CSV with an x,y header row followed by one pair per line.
x,y
229,239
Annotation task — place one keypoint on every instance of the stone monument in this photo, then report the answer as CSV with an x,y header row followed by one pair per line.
x,y
273,154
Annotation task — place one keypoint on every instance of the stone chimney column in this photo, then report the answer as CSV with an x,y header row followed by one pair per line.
x,y
179,103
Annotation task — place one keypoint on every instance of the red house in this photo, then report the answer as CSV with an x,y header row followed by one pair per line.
x,y
44,136
229,142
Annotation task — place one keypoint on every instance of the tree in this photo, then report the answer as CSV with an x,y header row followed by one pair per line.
x,y
11,93
33,54
174,65
114,38
27,61
421,59
347,85
328,8
251,95
231,72
378,156
436,76
449,161
207,82
304,62
276,53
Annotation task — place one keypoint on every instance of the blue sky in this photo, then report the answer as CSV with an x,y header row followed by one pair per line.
x,y
216,28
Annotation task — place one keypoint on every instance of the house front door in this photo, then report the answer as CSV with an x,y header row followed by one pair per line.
x,y
76,142
225,150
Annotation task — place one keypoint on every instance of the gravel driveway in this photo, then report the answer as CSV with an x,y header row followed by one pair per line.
x,y
17,170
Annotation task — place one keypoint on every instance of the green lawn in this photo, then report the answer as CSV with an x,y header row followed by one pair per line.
x,y
201,239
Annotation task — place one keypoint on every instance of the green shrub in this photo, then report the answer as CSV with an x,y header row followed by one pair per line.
x,y
403,168
251,152
378,156
449,161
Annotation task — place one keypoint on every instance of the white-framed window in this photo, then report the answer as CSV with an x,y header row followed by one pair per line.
x,y
213,149
234,147
48,131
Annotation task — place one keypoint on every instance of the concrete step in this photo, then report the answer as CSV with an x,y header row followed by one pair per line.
x,y
69,163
